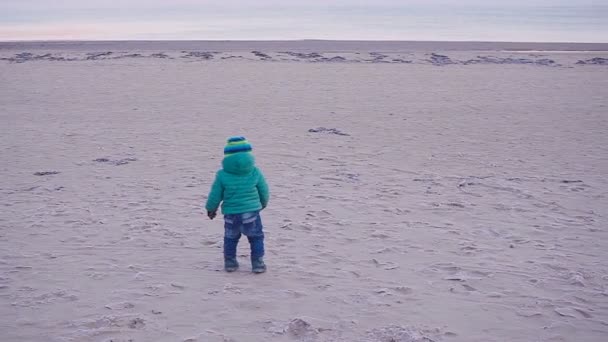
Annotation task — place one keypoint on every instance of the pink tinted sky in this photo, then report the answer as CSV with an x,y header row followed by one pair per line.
x,y
515,20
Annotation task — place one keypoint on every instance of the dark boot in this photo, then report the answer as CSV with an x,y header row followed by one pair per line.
x,y
231,264
257,265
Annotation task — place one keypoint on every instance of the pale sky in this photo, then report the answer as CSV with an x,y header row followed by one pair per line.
x,y
506,20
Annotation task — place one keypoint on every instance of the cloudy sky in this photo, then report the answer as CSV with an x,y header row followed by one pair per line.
x,y
501,20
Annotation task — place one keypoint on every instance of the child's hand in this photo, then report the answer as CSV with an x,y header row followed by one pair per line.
x,y
212,214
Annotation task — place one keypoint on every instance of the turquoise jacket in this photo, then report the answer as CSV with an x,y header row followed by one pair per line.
x,y
240,186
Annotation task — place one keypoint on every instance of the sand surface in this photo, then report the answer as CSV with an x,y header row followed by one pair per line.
x,y
417,195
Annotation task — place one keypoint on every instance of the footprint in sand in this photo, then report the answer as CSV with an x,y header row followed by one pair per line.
x,y
297,329
96,275
284,240
398,290
572,312
468,288
229,288
379,235
386,265
385,250
529,313
141,276
178,286
398,334
120,306
404,290
137,323
47,298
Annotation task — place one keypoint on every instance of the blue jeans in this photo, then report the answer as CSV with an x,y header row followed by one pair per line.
x,y
248,224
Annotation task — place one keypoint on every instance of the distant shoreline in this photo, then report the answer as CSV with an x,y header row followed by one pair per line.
x,y
304,45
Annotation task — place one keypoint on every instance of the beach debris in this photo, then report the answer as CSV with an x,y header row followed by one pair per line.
x,y
440,60
328,131
159,55
317,57
313,57
91,56
116,162
332,59
593,61
200,54
29,57
21,57
302,55
261,55
98,55
124,161
130,55
510,60
401,60
378,57
46,173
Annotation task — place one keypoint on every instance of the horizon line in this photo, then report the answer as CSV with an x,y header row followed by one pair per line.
x,y
292,40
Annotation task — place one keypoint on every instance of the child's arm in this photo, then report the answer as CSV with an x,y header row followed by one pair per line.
x,y
215,197
262,187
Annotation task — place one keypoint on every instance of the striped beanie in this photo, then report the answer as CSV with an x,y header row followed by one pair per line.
x,y
236,145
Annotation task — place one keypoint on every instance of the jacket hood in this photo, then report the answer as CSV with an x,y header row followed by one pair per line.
x,y
239,163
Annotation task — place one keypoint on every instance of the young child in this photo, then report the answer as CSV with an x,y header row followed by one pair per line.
x,y
241,188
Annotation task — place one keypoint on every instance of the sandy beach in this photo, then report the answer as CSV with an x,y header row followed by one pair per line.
x,y
419,191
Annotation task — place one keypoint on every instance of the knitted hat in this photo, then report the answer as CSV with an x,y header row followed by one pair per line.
x,y
236,145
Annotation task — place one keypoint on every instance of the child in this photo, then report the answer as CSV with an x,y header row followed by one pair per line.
x,y
241,186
